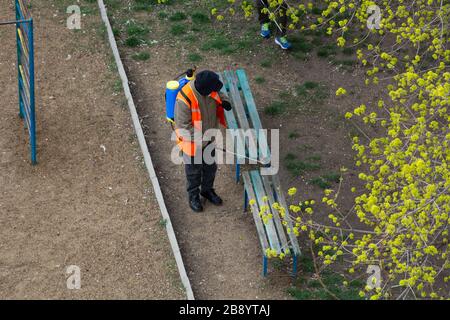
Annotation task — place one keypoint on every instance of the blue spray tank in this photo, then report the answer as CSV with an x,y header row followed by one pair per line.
x,y
172,89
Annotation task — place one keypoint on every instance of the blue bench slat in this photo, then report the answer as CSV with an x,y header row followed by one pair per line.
x,y
238,108
255,211
264,153
237,101
269,226
232,124
229,115
282,202
281,231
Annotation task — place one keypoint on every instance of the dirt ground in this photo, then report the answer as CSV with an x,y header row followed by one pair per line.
x,y
88,202
220,246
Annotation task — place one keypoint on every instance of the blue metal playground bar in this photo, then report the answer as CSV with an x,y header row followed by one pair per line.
x,y
25,71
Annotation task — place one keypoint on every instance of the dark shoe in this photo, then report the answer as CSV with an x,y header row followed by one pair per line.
x,y
195,203
283,43
212,197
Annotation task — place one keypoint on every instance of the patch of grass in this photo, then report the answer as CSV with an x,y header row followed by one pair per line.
x,y
162,223
300,44
308,285
113,4
260,80
304,147
314,158
316,10
310,85
290,157
312,94
194,57
266,63
325,181
141,56
220,43
297,167
333,176
320,182
327,50
132,42
87,10
200,18
163,15
245,44
196,28
190,38
300,55
135,29
117,85
116,32
275,108
178,16
307,263
177,29
143,5
299,294
102,32
306,98
293,135
345,62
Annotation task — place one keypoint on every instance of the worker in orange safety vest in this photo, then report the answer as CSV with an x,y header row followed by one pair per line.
x,y
200,107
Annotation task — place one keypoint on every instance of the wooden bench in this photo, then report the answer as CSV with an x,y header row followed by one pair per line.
x,y
263,189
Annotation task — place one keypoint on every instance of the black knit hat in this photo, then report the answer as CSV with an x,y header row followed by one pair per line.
x,y
206,82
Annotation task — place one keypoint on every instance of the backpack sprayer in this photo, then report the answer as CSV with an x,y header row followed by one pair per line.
x,y
173,88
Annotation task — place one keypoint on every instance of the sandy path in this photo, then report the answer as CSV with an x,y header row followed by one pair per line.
x,y
81,205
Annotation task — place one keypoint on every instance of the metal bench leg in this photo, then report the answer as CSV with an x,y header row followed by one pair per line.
x,y
264,266
245,200
21,110
238,172
294,266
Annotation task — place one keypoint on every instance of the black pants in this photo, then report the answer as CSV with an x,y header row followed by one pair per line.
x,y
264,17
199,176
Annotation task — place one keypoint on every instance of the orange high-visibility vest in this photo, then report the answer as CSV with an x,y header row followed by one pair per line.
x,y
187,95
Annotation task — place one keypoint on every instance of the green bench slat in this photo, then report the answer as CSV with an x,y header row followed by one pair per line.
x,y
239,108
255,211
267,183
232,123
237,101
253,113
260,193
283,203
229,115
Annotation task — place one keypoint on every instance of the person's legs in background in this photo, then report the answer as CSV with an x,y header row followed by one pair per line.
x,y
281,23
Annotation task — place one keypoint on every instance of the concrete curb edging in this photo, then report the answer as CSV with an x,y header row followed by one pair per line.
x,y
147,158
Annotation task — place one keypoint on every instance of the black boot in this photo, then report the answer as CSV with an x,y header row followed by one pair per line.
x,y
212,197
195,203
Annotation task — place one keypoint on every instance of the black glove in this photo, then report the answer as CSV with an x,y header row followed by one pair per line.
x,y
226,105
190,73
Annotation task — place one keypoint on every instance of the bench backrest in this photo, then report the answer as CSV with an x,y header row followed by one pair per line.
x,y
244,114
